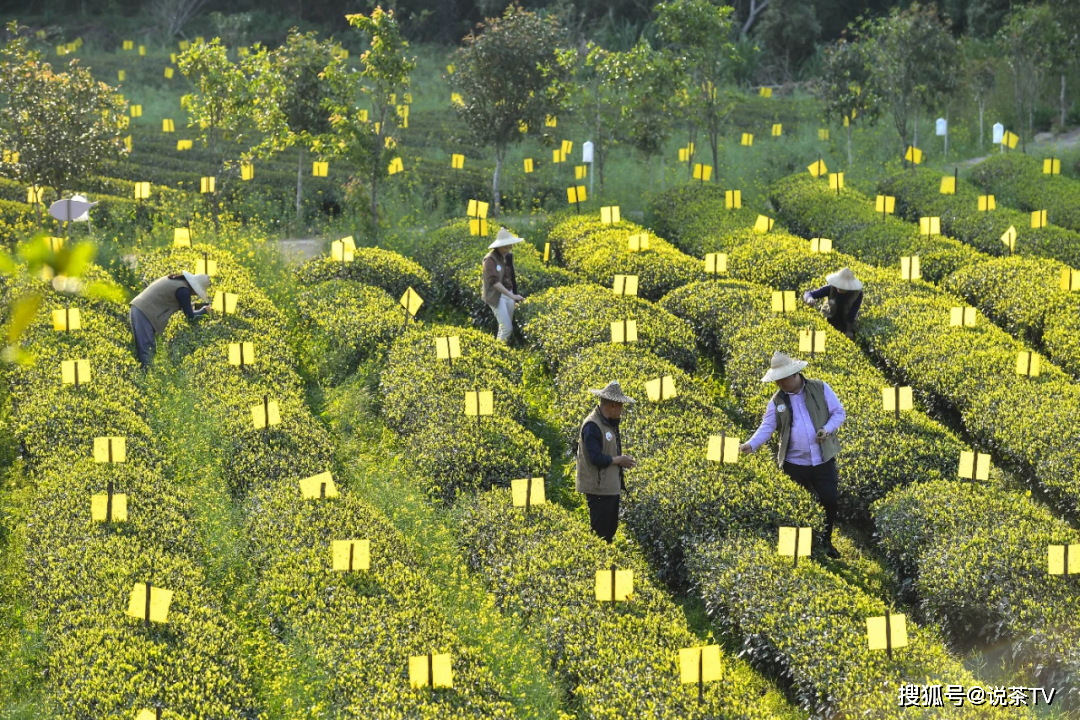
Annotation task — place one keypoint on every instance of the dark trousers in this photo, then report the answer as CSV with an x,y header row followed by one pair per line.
x,y
145,338
822,481
603,514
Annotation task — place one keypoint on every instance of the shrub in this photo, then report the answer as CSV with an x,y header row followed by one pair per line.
x,y
692,216
1017,181
371,266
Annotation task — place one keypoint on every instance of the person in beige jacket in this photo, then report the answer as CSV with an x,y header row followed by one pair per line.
x,y
500,283
153,307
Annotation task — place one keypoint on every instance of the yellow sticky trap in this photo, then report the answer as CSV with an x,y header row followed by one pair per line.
x,y
820,245
987,203
458,101
763,224
241,353
448,348
1027,363
265,414
733,199
1051,166
184,45
661,388
160,600
747,139
929,226
576,195
430,671
1009,238
961,316
885,204
528,165
1010,139
547,251
121,76
396,166
783,301
777,130
882,638
715,263
624,331
684,155
765,92
207,185
702,172
1055,556
183,145
558,156
457,161
172,58
66,319
136,111
910,268
181,237
319,169
225,303
199,40
817,168
913,155
128,44
610,215
477,209
33,195
168,126
786,544
723,449
343,250
1038,219
54,243
363,115
625,285
527,492
101,512
623,585
11,157
318,486
974,466
350,555
72,370
551,121
1070,280
580,171
638,242
823,134
836,181
478,227
948,185
811,341
142,50
479,402
889,397
403,111
169,73
450,69
411,301
567,147
699,664
206,266
110,449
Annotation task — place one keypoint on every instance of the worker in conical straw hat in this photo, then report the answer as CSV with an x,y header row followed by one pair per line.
x,y
500,282
843,293
600,460
152,308
808,414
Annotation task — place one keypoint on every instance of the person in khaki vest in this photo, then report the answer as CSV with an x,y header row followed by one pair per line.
x,y
152,308
808,414
500,283
600,462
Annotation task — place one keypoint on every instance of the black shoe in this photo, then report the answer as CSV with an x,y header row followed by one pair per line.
x,y
833,552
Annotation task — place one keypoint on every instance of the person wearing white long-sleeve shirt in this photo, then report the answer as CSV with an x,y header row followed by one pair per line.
x,y
808,414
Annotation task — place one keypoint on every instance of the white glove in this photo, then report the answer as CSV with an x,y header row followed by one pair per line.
x,y
807,298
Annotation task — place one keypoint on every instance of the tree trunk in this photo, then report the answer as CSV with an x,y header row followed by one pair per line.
x,y
1062,101
299,193
495,180
915,133
690,155
848,128
946,132
662,188
982,111
374,206
714,143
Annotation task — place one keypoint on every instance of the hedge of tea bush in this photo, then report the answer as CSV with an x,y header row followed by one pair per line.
x,y
622,661
1017,180
878,452
810,625
380,268
80,573
598,252
561,321
977,560
693,217
363,626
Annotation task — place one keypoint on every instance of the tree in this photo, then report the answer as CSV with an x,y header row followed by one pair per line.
x,y
980,76
63,126
1032,43
363,138
788,33
510,72
600,93
300,92
699,31
654,81
845,86
1067,14
912,57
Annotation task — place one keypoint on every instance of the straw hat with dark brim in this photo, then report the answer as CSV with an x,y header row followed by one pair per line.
x,y
783,366
199,283
504,238
844,279
612,393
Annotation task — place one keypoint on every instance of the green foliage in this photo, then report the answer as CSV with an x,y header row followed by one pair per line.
x,y
847,88
351,321
561,322
1017,181
1034,45
371,266
692,217
620,661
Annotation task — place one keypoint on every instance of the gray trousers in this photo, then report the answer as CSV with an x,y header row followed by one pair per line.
x,y
145,339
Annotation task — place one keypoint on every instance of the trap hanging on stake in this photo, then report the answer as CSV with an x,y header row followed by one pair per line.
x,y
181,238
241,354
110,450
1063,559
763,224
224,303
1027,363
1051,166
575,196
411,302
948,183
626,285
448,348
624,331
477,212
698,666
715,263
929,226
343,250
74,372
702,172
609,215
430,670
526,492
794,542
319,486
1008,238
108,507
987,203
887,632
350,555
266,413
733,199
820,245
811,341
817,169
783,301
896,399
147,714
885,204
206,265
1038,219
638,242
661,388
961,317
973,466
1070,280
910,268
149,603
613,585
